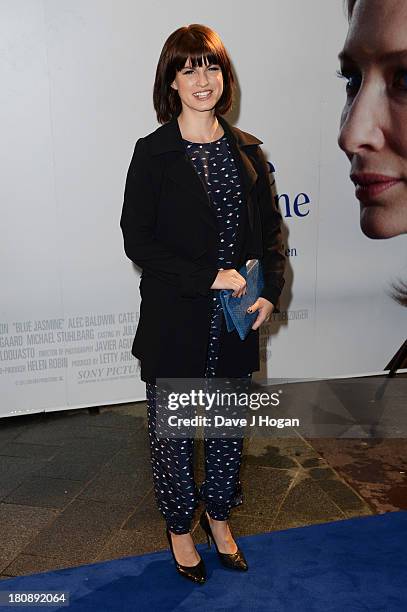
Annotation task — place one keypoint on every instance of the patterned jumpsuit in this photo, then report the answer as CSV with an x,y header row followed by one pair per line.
x,y
175,489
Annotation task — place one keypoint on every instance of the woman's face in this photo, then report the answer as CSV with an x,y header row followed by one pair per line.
x,y
199,88
373,130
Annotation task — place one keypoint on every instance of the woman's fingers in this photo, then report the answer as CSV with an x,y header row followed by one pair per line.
x,y
230,279
240,283
260,316
254,306
240,286
265,308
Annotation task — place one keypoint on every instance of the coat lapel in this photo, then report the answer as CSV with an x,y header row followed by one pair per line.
x,y
182,171
180,168
241,142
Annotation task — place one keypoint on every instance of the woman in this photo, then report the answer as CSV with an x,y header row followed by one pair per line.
x,y
374,120
373,130
197,205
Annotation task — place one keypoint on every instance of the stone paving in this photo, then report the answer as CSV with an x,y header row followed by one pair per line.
x,y
76,488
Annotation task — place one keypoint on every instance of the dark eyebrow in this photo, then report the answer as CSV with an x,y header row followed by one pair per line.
x,y
203,65
386,57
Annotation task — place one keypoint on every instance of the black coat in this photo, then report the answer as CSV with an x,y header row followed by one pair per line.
x,y
170,230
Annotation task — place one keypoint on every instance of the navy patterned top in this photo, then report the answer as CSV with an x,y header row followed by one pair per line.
x,y
216,166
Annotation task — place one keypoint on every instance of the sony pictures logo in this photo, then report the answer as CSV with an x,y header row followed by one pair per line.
x,y
101,373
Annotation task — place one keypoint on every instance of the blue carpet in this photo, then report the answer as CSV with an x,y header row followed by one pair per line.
x,y
352,565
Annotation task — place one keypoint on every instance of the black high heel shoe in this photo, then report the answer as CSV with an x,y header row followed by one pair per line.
x,y
196,573
234,560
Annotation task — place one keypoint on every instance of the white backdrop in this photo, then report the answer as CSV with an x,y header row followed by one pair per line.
x,y
76,93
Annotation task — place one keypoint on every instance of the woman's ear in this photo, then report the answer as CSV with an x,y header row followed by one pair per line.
x,y
174,85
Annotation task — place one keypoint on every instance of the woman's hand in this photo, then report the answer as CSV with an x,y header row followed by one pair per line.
x,y
265,309
230,279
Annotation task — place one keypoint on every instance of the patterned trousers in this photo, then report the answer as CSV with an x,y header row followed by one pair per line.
x,y
172,460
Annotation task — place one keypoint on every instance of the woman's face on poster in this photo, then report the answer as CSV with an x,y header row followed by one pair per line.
x,y
373,130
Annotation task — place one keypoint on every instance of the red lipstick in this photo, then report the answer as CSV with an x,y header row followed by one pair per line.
x,y
369,185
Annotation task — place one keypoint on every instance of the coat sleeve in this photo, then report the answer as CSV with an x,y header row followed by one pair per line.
x,y
273,260
138,226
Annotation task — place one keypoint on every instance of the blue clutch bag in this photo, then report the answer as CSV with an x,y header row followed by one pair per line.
x,y
235,308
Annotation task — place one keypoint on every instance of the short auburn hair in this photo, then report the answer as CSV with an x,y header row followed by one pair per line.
x,y
203,46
